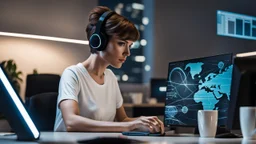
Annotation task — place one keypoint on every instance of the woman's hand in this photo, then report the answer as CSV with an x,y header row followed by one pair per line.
x,y
151,124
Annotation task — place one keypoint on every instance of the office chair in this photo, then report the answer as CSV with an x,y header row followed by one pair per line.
x,y
41,83
42,109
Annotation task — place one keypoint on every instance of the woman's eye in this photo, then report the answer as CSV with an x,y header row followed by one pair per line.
x,y
121,43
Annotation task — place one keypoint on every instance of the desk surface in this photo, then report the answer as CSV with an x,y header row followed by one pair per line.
x,y
64,137
144,105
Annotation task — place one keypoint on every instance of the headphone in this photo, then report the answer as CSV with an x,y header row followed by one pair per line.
x,y
99,38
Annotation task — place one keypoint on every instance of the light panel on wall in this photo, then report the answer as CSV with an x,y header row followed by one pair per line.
x,y
44,38
236,25
248,54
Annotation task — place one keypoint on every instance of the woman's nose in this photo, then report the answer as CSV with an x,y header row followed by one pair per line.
x,y
127,52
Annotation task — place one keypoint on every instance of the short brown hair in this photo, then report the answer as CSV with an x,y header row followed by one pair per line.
x,y
116,24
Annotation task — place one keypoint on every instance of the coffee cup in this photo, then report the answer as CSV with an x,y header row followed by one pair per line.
x,y
207,123
248,122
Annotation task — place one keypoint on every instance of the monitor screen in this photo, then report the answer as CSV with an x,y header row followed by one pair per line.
x,y
198,84
14,110
158,89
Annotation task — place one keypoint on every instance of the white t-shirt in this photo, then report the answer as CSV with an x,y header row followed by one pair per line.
x,y
97,102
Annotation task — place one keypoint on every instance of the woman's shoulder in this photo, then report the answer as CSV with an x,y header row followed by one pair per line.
x,y
70,68
73,69
109,73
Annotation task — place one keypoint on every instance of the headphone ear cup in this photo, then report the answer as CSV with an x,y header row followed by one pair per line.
x,y
104,41
98,41
99,38
95,41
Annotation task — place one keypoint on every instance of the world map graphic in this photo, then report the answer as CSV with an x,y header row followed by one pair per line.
x,y
199,85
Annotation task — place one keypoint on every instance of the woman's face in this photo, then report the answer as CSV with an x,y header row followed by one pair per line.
x,y
116,51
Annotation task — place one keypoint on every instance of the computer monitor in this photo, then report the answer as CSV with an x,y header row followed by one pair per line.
x,y
158,89
14,111
243,89
198,84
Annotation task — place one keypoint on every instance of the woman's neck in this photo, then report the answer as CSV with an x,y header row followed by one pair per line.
x,y
95,65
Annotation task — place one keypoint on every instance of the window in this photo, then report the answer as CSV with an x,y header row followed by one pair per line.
x,y
135,67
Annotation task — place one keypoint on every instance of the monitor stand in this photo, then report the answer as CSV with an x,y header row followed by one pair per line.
x,y
222,132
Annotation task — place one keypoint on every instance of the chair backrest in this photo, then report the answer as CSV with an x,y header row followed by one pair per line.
x,y
41,83
42,109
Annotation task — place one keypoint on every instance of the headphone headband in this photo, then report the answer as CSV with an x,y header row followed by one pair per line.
x,y
103,18
99,38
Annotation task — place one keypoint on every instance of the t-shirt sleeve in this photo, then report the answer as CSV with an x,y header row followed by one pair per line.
x,y
69,86
119,98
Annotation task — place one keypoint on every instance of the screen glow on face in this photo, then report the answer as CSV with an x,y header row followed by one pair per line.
x,y
18,104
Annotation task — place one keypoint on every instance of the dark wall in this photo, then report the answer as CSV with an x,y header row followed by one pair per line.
x,y
62,18
58,18
186,29
183,29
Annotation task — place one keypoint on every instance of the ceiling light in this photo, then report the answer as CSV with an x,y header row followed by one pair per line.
x,y
44,38
246,54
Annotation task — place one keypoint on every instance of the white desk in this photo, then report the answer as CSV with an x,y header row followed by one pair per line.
x,y
64,137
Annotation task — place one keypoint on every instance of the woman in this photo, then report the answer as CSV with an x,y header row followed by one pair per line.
x,y
89,96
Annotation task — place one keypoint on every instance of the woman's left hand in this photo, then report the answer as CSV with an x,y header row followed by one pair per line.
x,y
156,124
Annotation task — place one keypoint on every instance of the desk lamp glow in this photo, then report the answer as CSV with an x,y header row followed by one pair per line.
x,y
15,112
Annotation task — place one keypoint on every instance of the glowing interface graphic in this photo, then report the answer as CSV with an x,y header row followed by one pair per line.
x,y
198,84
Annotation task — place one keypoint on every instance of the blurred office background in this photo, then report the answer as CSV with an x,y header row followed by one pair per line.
x,y
171,30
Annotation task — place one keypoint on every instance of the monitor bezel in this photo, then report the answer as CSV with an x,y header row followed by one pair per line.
x,y
227,54
14,110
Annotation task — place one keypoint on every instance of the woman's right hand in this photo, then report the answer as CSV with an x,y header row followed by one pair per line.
x,y
151,124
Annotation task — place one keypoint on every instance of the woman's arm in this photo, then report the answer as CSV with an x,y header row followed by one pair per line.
x,y
75,122
121,115
155,125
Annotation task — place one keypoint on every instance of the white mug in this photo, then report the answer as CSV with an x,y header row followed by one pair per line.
x,y
207,123
136,98
248,121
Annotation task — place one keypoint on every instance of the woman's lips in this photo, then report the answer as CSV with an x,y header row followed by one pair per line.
x,y
122,60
